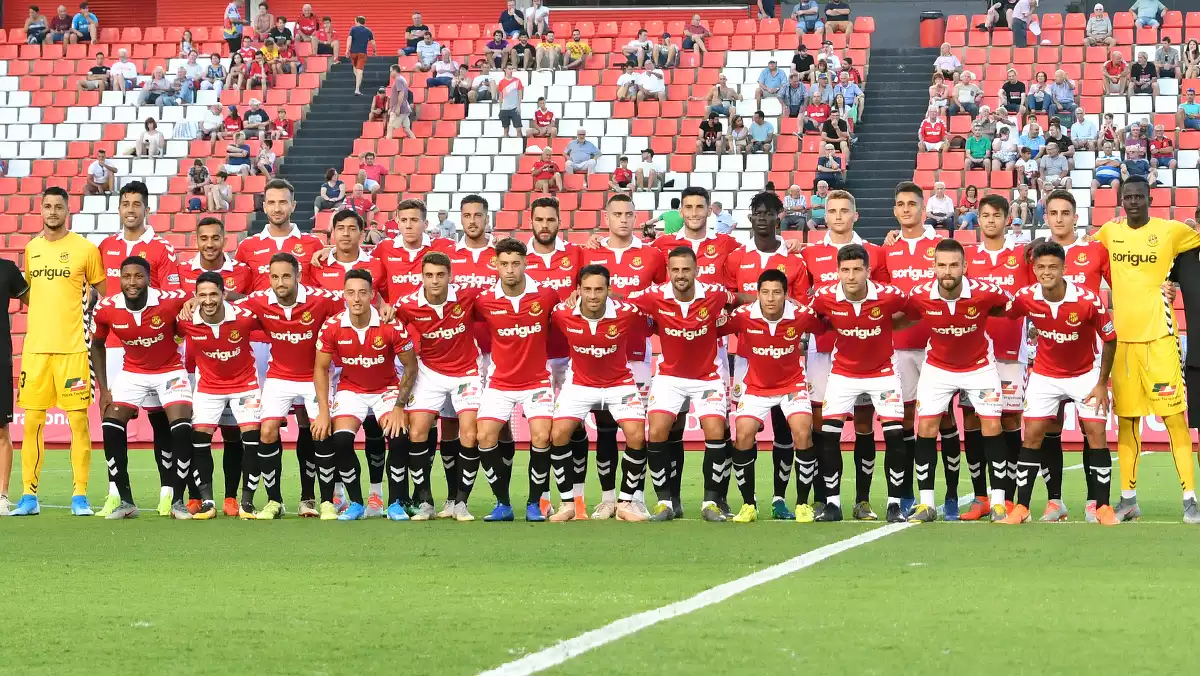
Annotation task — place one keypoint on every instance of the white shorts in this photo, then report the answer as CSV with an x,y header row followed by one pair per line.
x,y
738,384
759,407
147,390
932,147
262,359
817,366
1044,394
938,386
434,392
498,405
558,372
280,396
207,408
576,401
842,394
357,405
669,394
908,365
1012,385
114,366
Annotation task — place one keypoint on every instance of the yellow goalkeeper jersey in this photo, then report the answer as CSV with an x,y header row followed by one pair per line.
x,y
1140,259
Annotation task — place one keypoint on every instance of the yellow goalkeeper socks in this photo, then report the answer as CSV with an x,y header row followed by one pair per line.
x,y
33,451
81,450
1181,450
1129,447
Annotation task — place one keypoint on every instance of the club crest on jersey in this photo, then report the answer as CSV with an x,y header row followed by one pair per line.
x,y
782,268
1082,258
155,322
230,283
876,312
1152,240
456,311
703,313
306,318
790,333
929,253
535,308
612,331
298,249
710,250
64,257
636,263
565,264
1073,319
972,312
235,336
377,343
1011,262
492,263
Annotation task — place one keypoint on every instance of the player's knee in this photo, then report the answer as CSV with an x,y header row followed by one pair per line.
x,y
269,431
635,437
562,433
78,420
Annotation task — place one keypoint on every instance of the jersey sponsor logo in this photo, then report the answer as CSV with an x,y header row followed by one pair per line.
x,y
686,334
710,269
1134,259
999,281
363,361
156,322
49,273
828,276
861,333
445,334
291,336
1080,278
956,331
913,273
222,355
113,272
595,351
774,352
620,282
410,278
564,283
474,281
144,341
519,331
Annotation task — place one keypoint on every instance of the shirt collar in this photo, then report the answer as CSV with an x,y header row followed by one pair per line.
x,y
363,257
669,291
301,295
927,233
266,232
872,293
227,266
230,315
147,236
854,239
152,296
558,246
966,291
782,250
450,296
530,287
634,243
461,244
370,325
789,311
610,309
1072,292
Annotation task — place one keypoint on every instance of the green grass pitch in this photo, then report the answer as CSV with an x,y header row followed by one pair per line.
x,y
151,596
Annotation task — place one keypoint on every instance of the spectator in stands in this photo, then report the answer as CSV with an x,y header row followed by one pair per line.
x,y
947,63
327,44
793,95
1116,74
1005,151
807,16
537,18
695,33
1056,136
1062,94
1038,98
1133,137
848,113
803,63
235,78
213,75
1162,150
627,83
939,208
1188,115
622,177
258,74
1020,19
282,127
370,174
332,193
830,168
1146,13
270,53
280,32
652,85
496,50
1109,131
400,108
1084,134
361,204
939,95
711,139
547,176
85,27
1099,29
213,122
836,131
576,51
548,53
821,74
1016,234
36,27
510,89
966,95
851,92
151,142
1054,170
101,175
219,194
379,106
1032,139
837,18
289,60
428,52
443,70
156,87
979,149
1108,167
762,134
581,154
739,135
197,177
766,9
1136,164
237,156
1024,207
721,98
59,27
524,55
263,22
646,176
264,162
795,209
1143,76
234,25
985,123
968,209
827,55
1166,59
97,77
194,69
255,121
414,34
512,20
359,39
1191,60
816,205
722,219
444,228
640,50
1028,168
543,125
306,26
816,113
931,137
483,86
1012,93
770,82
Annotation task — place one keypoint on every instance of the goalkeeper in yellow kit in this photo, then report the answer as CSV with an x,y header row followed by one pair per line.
x,y
1147,376
60,267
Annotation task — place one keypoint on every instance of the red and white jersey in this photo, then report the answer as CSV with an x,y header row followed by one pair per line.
x,y
710,254
863,329
224,361
909,263
403,265
1087,265
543,118
164,269
330,275
367,356
687,332
519,327
1066,330
475,269
148,335
446,344
256,251
1007,269
821,260
745,265
555,270
597,346
633,268
236,275
292,331
933,132
958,339
772,348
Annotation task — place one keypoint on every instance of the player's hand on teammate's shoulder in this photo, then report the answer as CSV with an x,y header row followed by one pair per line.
x,y
186,310
892,237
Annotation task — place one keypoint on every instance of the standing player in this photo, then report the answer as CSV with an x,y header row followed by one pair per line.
x,y
597,330
770,333
291,315
448,373
403,254
218,338
632,266
841,212
687,314
143,319
12,285
1068,319
138,239
1148,378
743,268
860,313
517,312
956,310
60,266
367,349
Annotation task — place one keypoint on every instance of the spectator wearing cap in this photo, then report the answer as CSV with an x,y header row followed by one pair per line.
x,y
939,208
283,127
965,95
576,51
512,20
646,176
1017,234
1099,29
537,18
795,209
1188,115
803,63
1147,13
652,85
1166,58
1012,93
829,166
979,149
581,154
696,34
1162,150
85,27
762,134
255,120
370,174
666,54
1116,74
548,53
947,63
1084,133
723,220
793,95
231,124
829,57
547,176
807,15
640,50
219,194
237,156
770,82
837,18
1143,76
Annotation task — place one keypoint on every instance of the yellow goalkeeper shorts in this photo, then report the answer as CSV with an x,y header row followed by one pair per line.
x,y
1147,379
55,380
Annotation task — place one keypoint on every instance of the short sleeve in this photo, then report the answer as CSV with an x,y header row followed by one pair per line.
x,y
327,340
14,280
1104,323
93,269
1183,237
99,327
400,340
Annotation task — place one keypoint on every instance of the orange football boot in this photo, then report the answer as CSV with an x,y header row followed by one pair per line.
x,y
1017,514
979,509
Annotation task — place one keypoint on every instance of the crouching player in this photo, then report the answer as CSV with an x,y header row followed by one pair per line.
x,y
1067,319
769,335
143,320
366,348
597,329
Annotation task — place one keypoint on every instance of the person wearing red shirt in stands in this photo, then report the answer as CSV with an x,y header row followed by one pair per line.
x,y
281,127
326,38
248,53
932,134
306,25
371,174
544,125
815,114
547,176
361,204
622,177
233,122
